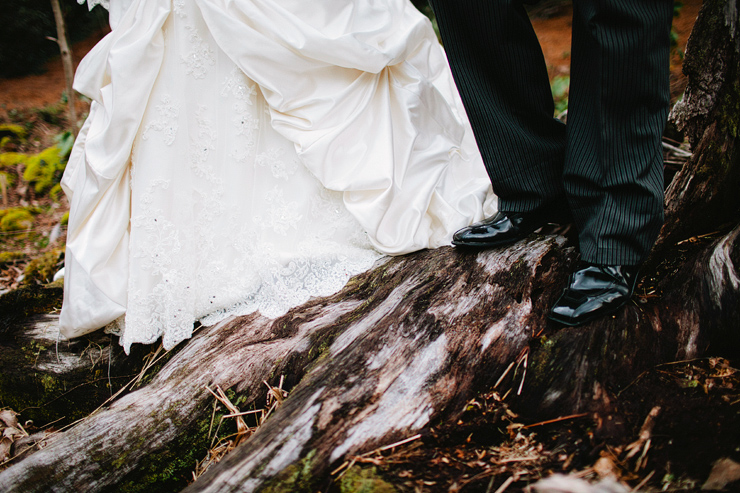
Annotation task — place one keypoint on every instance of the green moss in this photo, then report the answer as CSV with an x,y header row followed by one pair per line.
x,y
41,396
10,159
7,180
56,192
547,343
41,270
17,219
296,478
319,352
45,169
53,113
65,219
364,480
65,141
168,469
731,106
318,355
28,300
7,257
49,383
11,129
540,368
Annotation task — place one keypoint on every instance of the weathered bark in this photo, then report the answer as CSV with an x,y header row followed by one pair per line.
x,y
703,196
401,346
341,408
49,379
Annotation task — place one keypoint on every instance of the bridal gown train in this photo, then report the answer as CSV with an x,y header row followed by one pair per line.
x,y
245,155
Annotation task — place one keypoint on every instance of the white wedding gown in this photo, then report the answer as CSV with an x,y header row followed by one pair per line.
x,y
246,155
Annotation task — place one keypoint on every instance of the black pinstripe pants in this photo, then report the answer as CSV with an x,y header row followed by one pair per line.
x,y
606,163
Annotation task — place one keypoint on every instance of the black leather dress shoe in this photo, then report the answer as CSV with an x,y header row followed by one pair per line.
x,y
594,291
503,228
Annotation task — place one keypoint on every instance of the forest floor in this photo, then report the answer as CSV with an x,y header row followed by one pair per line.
x,y
669,428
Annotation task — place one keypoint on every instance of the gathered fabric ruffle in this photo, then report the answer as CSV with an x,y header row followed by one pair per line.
x,y
246,155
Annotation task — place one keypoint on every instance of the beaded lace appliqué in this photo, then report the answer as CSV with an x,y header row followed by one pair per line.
x,y
201,56
166,123
279,167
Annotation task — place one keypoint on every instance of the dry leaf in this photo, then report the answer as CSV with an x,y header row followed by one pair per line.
x,y
8,417
724,472
5,445
559,483
605,468
10,433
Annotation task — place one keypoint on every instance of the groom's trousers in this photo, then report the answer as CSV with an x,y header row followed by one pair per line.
x,y
606,163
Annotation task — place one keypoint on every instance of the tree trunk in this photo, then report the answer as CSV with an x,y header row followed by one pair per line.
x,y
66,62
409,342
703,195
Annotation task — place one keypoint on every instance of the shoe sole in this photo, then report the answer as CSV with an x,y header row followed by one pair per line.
x,y
477,245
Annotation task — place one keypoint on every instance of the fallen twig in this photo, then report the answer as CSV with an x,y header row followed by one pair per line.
x,y
555,420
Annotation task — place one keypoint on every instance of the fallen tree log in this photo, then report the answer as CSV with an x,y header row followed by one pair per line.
x,y
403,344
321,422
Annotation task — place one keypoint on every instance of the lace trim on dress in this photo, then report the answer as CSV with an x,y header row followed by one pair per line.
x,y
92,3
292,285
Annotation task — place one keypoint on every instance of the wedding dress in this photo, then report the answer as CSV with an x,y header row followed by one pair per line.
x,y
245,155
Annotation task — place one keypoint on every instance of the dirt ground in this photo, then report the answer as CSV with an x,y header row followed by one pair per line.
x,y
39,91
669,429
